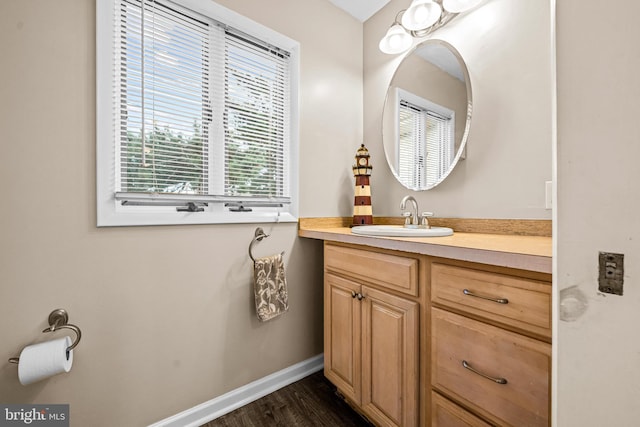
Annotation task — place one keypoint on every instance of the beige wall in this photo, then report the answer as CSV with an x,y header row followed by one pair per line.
x,y
598,204
166,312
506,45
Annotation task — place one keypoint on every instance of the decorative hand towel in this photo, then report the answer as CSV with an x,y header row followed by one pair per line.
x,y
270,287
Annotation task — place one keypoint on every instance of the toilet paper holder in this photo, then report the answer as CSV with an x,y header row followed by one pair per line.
x,y
59,319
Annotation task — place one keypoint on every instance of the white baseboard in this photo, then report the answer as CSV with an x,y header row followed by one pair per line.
x,y
214,408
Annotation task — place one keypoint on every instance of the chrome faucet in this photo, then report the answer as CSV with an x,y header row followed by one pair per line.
x,y
410,218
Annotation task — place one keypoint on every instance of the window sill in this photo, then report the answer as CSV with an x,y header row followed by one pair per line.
x,y
121,219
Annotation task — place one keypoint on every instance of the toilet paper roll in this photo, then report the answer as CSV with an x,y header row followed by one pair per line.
x,y
43,360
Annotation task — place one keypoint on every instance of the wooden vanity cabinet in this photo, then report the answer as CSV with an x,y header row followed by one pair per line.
x,y
414,340
371,332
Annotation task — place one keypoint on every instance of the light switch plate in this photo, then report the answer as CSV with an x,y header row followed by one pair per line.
x,y
548,195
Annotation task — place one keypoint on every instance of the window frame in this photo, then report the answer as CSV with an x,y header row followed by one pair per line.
x,y
110,211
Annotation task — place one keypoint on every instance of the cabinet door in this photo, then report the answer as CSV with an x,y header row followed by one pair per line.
x,y
342,314
389,359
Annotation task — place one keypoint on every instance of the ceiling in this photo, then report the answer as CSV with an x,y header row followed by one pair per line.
x,y
360,9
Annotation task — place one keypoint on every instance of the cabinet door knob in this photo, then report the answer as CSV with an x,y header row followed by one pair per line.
x,y
498,300
353,294
466,365
360,296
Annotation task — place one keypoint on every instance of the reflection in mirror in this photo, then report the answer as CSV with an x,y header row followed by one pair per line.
x,y
427,114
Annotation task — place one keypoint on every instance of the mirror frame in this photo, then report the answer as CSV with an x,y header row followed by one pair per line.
x,y
461,152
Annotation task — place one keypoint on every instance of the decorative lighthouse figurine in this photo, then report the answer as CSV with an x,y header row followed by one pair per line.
x,y
362,213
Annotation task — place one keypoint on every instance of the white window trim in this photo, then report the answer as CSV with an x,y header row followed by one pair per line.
x,y
112,213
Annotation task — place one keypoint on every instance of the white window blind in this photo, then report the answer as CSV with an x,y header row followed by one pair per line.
x,y
439,144
256,100
202,110
425,145
163,87
411,146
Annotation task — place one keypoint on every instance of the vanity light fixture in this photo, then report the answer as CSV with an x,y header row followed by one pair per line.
x,y
419,19
397,40
421,15
457,6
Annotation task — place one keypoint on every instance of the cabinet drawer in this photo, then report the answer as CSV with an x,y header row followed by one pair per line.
x,y
445,413
513,301
386,270
524,364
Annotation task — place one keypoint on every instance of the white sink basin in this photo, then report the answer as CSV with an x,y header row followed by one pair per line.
x,y
400,231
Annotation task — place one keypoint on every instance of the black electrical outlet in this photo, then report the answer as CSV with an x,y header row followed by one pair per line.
x,y
611,277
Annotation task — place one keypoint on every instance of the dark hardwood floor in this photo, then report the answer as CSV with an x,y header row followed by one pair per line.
x,y
311,401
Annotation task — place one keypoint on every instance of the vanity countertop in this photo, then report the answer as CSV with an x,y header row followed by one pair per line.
x,y
533,253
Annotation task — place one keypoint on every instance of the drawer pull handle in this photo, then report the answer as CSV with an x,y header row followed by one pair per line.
x,y
495,380
498,300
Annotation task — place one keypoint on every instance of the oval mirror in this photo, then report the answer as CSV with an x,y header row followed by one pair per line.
x,y
427,114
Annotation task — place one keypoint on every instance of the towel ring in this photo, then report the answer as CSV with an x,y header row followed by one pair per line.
x,y
258,236
58,319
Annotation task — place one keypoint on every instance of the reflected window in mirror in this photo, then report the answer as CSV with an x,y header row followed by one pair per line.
x,y
425,140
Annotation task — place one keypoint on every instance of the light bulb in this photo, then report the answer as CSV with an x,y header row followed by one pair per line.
x,y
397,40
457,6
421,15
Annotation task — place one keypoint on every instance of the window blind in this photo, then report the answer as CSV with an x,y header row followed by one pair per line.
x,y
411,145
202,109
425,145
256,82
438,146
163,94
